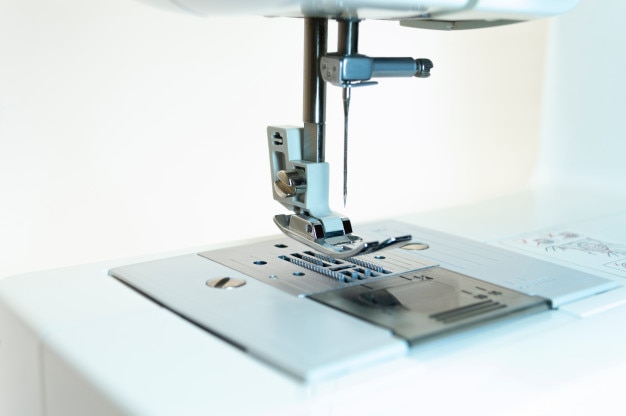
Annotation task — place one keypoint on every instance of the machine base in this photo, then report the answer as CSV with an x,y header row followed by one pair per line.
x,y
314,316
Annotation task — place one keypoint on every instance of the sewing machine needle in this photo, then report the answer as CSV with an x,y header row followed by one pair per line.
x,y
346,109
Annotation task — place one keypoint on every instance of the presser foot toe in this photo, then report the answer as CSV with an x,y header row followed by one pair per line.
x,y
310,231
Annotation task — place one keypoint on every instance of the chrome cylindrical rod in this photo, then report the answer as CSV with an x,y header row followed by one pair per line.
x,y
348,37
314,95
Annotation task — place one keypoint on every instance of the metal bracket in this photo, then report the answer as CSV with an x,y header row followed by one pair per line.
x,y
302,187
357,70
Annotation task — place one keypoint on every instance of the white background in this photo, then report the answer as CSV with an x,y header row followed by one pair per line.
x,y
126,129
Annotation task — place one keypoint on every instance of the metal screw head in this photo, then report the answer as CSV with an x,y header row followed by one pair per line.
x,y
289,183
423,67
225,282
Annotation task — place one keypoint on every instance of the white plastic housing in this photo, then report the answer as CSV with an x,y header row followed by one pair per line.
x,y
379,9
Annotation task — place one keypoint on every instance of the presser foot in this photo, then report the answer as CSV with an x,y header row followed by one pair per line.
x,y
310,231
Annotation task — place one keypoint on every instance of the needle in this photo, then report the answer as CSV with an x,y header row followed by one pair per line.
x,y
346,108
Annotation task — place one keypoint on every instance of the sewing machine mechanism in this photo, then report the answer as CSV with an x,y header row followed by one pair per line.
x,y
299,172
336,317
325,274
492,316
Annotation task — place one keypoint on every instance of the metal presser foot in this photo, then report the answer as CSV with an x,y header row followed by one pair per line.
x,y
310,231
302,186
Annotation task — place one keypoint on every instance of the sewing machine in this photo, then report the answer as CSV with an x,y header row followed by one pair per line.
x,y
500,307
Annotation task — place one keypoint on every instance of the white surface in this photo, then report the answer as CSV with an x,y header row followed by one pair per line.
x,y
511,9
583,130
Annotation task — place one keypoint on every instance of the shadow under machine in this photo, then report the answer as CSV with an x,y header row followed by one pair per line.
x,y
325,299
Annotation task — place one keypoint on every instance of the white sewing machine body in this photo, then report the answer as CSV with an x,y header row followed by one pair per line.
x,y
79,341
397,9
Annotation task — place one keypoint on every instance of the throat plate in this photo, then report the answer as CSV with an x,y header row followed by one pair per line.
x,y
296,269
413,297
